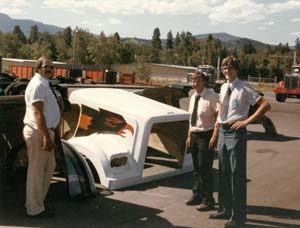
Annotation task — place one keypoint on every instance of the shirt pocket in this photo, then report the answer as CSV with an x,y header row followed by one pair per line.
x,y
204,109
235,104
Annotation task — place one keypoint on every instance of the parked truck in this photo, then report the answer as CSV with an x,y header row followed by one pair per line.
x,y
289,86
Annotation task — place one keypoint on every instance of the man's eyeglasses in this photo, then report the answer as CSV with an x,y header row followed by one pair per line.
x,y
47,66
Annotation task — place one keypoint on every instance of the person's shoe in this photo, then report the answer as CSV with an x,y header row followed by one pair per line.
x,y
205,206
194,200
234,224
43,214
220,215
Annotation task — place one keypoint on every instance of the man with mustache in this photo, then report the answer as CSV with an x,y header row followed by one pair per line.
x,y
41,118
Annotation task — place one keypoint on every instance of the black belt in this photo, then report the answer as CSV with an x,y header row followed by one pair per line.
x,y
226,126
202,132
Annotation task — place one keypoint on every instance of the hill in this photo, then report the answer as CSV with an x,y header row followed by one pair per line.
x,y
7,24
230,40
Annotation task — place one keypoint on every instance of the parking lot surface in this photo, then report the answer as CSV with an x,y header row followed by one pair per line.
x,y
273,190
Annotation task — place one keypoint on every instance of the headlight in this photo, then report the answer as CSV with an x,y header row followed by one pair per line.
x,y
117,162
281,84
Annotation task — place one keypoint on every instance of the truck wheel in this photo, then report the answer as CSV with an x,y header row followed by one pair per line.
x,y
4,165
280,97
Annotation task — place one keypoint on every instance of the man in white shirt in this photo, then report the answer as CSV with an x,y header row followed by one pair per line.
x,y
236,96
202,140
41,118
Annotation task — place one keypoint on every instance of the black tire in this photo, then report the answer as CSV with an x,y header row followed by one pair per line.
x,y
5,167
280,97
16,88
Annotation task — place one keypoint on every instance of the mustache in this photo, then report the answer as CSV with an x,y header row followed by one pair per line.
x,y
48,71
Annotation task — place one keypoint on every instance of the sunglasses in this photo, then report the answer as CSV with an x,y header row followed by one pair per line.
x,y
47,66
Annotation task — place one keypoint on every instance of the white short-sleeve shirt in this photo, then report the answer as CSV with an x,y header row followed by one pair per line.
x,y
38,89
206,112
242,96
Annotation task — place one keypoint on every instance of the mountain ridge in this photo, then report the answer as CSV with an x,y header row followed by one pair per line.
x,y
7,24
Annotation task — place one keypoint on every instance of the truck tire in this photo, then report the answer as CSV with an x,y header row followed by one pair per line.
x,y
280,97
4,163
16,88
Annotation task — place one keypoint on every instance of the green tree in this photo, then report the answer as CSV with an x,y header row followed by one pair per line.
x,y
10,45
156,46
127,52
82,44
181,57
33,34
297,49
67,36
63,43
248,48
117,37
45,45
211,49
107,49
170,40
20,35
143,71
177,40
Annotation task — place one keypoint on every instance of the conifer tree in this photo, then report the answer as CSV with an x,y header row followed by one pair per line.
x,y
20,35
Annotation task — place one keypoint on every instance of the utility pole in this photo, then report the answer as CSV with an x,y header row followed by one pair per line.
x,y
75,47
218,69
0,64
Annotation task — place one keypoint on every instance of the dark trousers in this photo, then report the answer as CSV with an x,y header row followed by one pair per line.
x,y
202,161
232,147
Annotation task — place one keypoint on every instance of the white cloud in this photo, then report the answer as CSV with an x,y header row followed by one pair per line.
x,y
12,3
295,19
115,21
262,28
269,23
85,22
295,34
237,11
135,7
284,6
12,7
218,11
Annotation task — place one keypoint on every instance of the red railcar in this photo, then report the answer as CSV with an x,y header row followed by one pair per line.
x,y
28,71
97,74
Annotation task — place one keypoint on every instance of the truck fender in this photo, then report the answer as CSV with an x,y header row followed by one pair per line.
x,y
79,176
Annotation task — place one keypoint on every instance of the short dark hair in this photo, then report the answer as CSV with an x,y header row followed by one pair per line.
x,y
231,61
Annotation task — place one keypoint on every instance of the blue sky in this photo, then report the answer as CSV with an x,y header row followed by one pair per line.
x,y
268,21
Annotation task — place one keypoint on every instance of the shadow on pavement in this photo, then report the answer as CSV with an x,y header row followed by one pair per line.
x,y
256,223
96,211
274,212
183,181
252,135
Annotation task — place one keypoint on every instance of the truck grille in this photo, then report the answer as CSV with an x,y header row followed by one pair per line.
x,y
291,82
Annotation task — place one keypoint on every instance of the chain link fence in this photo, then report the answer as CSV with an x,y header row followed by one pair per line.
x,y
262,81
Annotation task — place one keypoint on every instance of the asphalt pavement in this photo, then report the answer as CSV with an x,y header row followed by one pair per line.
x,y
273,190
